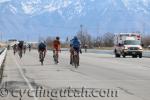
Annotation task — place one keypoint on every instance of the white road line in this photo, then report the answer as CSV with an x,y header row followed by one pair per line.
x,y
27,81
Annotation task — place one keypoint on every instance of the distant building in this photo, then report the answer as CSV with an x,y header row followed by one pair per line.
x,y
11,42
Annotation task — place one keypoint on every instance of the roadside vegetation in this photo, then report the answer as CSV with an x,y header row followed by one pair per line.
x,y
102,41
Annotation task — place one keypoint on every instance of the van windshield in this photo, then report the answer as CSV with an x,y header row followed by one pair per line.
x,y
132,42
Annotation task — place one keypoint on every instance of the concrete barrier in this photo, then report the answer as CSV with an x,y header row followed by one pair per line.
x,y
146,54
2,59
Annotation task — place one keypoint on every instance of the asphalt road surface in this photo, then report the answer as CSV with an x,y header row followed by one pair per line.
x,y
100,76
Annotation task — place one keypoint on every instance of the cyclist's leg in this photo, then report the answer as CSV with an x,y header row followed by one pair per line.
x,y
21,52
57,55
40,55
77,50
71,55
44,53
78,59
57,50
14,50
53,53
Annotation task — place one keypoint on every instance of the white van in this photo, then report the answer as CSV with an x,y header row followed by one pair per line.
x,y
128,44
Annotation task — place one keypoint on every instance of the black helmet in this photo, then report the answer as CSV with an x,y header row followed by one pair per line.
x,y
57,38
75,37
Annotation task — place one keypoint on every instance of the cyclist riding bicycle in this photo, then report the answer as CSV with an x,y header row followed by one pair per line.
x,y
24,48
74,45
42,50
20,48
15,48
56,48
29,46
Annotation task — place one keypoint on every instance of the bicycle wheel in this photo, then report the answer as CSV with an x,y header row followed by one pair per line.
x,y
75,62
72,60
42,62
14,52
41,58
20,54
55,59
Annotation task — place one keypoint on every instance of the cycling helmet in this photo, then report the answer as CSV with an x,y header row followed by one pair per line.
x,y
75,37
57,38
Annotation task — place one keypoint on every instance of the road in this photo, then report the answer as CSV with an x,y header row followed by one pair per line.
x,y
146,53
127,78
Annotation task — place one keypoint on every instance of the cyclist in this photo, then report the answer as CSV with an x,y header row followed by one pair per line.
x,y
8,47
71,51
20,48
74,45
42,50
29,46
15,48
85,47
56,48
24,48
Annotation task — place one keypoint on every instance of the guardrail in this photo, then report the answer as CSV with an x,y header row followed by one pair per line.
x,y
1,51
2,60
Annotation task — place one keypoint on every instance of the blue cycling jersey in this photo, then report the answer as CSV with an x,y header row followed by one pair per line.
x,y
75,43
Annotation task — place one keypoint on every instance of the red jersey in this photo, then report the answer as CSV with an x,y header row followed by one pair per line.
x,y
56,44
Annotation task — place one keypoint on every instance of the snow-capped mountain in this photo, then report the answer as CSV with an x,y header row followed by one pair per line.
x,y
22,18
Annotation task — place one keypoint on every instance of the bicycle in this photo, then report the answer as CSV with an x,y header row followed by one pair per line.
x,y
41,56
55,56
75,59
15,51
24,51
29,49
20,54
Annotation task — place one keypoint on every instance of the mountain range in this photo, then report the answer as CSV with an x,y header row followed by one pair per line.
x,y
31,19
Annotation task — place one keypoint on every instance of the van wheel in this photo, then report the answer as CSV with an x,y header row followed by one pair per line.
x,y
117,55
124,55
140,55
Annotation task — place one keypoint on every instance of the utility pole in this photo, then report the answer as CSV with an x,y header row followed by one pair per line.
x,y
82,36
98,30
81,27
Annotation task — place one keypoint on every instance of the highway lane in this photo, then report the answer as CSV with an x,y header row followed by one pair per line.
x,y
129,76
